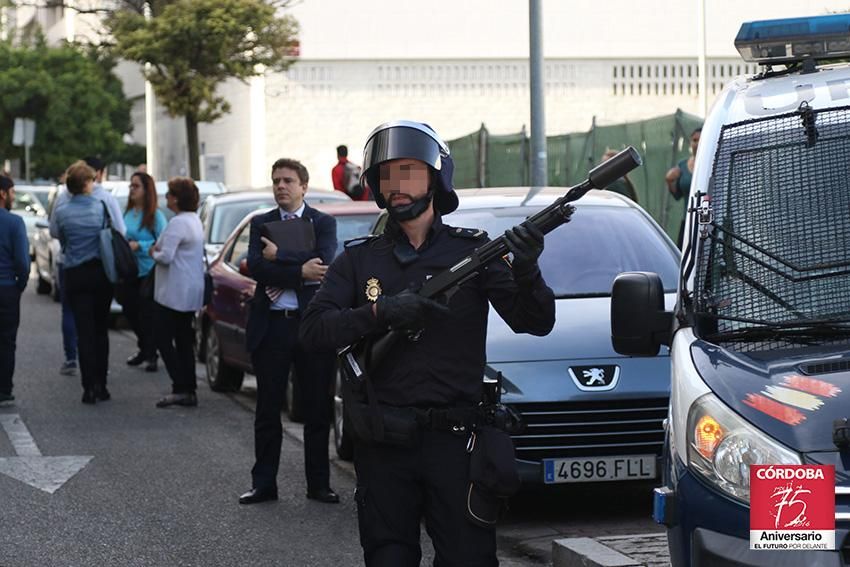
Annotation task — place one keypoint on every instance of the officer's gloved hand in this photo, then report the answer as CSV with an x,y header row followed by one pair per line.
x,y
406,311
526,243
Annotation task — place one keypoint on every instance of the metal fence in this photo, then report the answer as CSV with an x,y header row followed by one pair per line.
x,y
484,160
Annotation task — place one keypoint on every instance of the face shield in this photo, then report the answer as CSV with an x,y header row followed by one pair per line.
x,y
411,140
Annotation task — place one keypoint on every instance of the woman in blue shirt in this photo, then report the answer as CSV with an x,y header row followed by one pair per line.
x,y
77,224
145,222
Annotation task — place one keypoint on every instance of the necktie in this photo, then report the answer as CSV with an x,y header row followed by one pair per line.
x,y
274,293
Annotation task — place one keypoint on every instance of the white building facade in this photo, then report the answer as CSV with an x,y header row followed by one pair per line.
x,y
456,65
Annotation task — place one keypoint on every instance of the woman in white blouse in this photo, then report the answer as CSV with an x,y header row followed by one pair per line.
x,y
179,290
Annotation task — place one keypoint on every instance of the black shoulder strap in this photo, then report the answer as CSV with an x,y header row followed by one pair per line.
x,y
107,218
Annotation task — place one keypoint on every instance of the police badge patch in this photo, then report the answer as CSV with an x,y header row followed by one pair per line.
x,y
373,289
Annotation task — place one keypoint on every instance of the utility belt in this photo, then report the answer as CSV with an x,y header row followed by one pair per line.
x,y
403,426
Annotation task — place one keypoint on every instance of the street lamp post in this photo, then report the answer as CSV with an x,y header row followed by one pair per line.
x,y
150,116
538,115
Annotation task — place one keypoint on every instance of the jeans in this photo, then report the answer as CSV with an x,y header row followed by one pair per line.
x,y
69,329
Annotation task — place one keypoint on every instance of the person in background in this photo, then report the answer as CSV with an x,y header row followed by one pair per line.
x,y
286,282
145,222
77,225
14,273
678,179
69,330
623,185
346,176
179,290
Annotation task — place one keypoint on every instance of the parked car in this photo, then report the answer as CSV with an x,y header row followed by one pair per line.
x,y
28,206
46,250
222,323
591,414
759,339
221,213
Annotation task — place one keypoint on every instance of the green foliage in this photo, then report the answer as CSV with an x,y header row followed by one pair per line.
x,y
75,99
194,45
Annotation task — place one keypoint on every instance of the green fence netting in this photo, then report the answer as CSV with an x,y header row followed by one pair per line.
x,y
662,142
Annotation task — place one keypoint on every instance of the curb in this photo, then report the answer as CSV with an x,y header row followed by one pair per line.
x,y
587,552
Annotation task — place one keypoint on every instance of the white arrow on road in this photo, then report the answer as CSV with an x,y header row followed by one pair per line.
x,y
45,473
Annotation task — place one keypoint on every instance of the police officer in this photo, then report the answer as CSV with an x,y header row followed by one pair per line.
x,y
438,369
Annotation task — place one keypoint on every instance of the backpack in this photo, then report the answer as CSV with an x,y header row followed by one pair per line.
x,y
351,180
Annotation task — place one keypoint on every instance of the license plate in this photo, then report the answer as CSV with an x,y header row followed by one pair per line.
x,y
600,469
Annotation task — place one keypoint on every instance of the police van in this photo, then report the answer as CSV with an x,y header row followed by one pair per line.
x,y
760,335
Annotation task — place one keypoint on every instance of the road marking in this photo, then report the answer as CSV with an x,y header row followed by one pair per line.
x,y
30,467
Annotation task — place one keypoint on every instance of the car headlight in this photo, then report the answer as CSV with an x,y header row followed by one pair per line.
x,y
722,446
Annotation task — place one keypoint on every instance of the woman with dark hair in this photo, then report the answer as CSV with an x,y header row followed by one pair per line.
x,y
179,290
77,224
145,222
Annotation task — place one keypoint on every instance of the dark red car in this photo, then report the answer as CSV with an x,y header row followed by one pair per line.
x,y
223,321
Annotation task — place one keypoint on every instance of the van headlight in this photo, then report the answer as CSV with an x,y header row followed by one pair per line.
x,y
722,446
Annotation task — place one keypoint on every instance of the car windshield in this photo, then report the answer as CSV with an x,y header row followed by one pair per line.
x,y
226,216
352,226
27,203
583,257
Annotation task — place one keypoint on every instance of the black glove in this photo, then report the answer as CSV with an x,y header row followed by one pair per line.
x,y
526,243
406,311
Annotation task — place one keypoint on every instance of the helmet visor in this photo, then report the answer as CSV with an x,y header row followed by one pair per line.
x,y
402,139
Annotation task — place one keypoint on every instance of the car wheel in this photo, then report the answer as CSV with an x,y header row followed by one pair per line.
x,y
342,439
221,376
293,402
55,292
43,287
200,325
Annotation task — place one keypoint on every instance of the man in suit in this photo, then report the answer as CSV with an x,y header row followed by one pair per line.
x,y
286,282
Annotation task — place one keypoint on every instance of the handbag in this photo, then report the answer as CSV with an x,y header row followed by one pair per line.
x,y
118,259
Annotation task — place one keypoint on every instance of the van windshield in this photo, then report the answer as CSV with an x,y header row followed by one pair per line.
x,y
777,253
582,257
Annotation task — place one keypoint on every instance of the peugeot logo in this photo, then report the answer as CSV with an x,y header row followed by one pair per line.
x,y
595,378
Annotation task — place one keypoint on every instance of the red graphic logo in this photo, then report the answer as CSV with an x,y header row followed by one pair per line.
x,y
792,507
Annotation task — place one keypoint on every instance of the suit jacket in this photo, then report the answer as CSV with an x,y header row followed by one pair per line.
x,y
285,270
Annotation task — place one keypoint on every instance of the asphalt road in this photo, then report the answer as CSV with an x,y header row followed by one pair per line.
x,y
161,486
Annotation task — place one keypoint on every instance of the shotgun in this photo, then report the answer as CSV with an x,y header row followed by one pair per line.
x,y
367,353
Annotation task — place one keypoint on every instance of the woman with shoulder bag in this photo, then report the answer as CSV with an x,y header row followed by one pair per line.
x,y
77,224
145,222
179,290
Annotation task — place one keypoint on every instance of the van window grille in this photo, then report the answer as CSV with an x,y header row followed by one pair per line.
x,y
778,249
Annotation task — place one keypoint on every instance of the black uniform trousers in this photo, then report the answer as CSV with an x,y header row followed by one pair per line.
x,y
140,313
175,338
10,318
278,351
397,487
90,294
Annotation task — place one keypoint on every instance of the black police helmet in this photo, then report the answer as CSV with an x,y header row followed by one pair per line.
x,y
412,140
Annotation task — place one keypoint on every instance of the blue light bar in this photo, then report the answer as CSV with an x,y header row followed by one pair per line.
x,y
794,39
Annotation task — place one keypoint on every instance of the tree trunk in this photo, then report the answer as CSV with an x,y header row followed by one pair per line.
x,y
192,142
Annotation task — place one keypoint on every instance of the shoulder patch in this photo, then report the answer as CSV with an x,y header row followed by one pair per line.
x,y
360,240
470,233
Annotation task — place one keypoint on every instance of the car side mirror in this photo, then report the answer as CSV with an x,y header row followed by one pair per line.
x,y
243,268
639,323
42,224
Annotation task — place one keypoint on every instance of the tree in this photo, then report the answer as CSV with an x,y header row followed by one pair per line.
x,y
195,45
74,98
